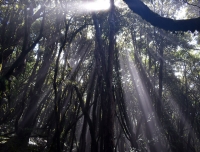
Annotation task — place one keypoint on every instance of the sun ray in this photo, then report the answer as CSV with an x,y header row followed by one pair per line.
x,y
98,5
149,116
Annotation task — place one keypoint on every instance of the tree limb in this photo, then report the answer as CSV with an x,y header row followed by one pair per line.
x,y
138,7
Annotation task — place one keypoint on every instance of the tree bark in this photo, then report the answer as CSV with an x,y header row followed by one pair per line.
x,y
109,108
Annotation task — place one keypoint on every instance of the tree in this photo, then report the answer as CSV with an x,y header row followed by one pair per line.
x,y
79,80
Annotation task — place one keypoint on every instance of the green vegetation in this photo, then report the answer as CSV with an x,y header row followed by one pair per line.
x,y
80,79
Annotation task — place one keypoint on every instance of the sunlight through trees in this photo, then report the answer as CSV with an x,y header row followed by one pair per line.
x,y
99,76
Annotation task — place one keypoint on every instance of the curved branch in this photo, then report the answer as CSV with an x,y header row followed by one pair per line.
x,y
138,7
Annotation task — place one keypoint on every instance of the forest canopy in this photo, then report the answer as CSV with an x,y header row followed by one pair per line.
x,y
99,76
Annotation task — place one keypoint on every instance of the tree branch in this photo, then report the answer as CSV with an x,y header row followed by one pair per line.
x,y
138,7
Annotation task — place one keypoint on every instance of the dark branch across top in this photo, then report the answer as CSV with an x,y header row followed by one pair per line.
x,y
168,24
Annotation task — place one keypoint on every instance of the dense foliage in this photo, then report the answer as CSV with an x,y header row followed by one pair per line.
x,y
73,79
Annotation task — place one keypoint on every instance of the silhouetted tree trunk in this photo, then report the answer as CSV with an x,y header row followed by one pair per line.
x,y
88,99
108,105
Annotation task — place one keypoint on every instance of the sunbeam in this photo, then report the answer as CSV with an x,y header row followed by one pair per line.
x,y
99,76
153,131
98,5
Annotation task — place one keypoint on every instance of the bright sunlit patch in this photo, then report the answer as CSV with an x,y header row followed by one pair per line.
x,y
97,5
181,13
